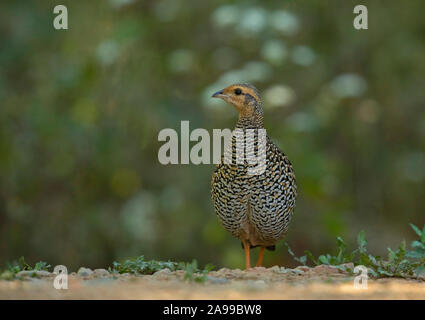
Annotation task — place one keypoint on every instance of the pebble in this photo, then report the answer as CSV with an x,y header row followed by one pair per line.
x,y
227,273
32,273
326,269
329,270
84,272
162,272
283,270
237,273
260,269
275,269
297,271
224,271
303,268
101,273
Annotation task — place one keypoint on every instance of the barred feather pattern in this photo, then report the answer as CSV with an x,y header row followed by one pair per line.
x,y
256,208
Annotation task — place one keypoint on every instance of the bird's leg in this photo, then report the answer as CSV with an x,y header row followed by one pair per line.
x,y
260,257
247,257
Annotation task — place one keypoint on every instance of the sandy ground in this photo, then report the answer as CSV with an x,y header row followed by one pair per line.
x,y
322,282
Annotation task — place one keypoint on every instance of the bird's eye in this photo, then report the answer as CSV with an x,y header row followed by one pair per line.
x,y
238,91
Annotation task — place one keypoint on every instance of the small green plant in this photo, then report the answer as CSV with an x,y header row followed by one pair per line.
x,y
339,258
400,263
42,266
193,273
418,250
13,268
139,265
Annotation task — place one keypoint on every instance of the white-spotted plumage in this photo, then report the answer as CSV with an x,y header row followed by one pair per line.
x,y
255,208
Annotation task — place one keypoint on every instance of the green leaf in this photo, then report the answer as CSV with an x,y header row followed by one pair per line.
x,y
289,249
209,267
311,257
420,270
416,229
373,260
303,260
361,240
340,243
417,244
391,255
324,259
415,254
385,272
42,266
373,272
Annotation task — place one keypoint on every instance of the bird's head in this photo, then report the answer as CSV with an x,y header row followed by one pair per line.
x,y
244,97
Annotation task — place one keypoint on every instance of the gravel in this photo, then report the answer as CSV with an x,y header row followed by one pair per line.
x,y
320,282
33,273
100,273
85,272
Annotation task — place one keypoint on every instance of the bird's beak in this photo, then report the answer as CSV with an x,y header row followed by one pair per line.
x,y
219,94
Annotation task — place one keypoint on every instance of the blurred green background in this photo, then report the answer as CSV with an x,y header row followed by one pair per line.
x,y
81,109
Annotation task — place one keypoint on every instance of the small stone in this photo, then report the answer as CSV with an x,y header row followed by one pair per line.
x,y
25,273
261,269
32,273
275,269
236,273
43,273
325,269
283,270
101,273
303,268
85,272
161,272
223,271
297,271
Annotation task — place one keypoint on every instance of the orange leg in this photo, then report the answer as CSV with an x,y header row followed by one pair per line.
x,y
247,258
260,257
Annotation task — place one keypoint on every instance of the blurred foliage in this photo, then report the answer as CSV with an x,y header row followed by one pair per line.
x,y
15,267
80,112
139,265
194,274
401,263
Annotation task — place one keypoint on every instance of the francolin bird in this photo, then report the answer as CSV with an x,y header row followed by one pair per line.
x,y
256,208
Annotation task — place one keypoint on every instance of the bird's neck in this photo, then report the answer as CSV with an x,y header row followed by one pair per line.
x,y
254,121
